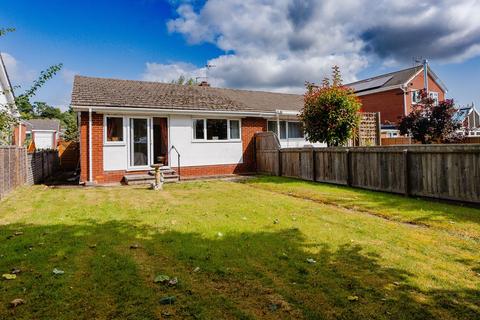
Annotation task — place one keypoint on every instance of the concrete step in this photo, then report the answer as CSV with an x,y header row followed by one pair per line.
x,y
139,179
164,171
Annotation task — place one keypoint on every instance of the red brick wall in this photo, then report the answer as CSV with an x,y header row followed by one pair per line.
x,y
249,127
16,132
388,103
97,147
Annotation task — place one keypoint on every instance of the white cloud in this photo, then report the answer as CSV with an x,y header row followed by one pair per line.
x,y
168,72
18,73
279,44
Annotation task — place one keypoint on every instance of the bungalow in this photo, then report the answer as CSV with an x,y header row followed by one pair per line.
x,y
126,126
469,117
44,133
394,94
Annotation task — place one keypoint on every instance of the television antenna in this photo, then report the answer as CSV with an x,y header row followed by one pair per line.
x,y
207,69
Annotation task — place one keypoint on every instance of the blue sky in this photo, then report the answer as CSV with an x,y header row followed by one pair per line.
x,y
253,44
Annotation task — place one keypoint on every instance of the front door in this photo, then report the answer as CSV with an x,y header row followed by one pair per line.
x,y
139,142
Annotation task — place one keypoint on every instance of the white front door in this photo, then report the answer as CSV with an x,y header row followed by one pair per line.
x,y
139,155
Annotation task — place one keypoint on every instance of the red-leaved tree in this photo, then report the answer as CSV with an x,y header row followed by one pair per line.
x,y
430,122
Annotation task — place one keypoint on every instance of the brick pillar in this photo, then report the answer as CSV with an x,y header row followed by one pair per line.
x,y
97,147
250,126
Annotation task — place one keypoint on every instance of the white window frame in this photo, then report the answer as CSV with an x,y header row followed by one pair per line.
x,y
229,139
130,166
113,143
413,95
287,137
436,99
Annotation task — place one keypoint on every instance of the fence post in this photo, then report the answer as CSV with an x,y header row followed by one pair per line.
x,y
349,167
314,165
406,172
379,129
279,155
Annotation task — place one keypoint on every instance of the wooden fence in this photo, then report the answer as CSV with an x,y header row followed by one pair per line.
x,y
69,154
13,174
438,171
17,167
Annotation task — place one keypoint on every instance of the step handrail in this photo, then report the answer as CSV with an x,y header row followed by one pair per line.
x,y
178,159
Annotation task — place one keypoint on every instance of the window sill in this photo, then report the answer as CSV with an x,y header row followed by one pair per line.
x,y
110,144
216,141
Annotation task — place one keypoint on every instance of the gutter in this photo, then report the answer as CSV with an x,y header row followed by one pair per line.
x,y
156,111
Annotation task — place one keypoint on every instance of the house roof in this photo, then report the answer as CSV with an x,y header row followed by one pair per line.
x,y
43,124
102,92
463,112
392,79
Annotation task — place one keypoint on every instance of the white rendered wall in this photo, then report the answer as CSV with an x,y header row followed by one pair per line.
x,y
115,157
195,153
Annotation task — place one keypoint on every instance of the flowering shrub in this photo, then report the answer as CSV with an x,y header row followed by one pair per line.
x,y
330,112
432,123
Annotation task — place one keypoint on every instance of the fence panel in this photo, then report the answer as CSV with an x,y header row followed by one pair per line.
x,y
18,168
449,172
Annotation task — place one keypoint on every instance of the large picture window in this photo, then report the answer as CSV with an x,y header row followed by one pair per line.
x,y
288,129
216,129
114,129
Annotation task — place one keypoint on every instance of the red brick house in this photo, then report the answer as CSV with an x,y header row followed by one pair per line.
x,y
393,94
126,126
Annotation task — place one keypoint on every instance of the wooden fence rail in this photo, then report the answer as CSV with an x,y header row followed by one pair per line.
x,y
438,171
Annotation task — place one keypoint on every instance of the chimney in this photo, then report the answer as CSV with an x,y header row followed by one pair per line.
x,y
204,84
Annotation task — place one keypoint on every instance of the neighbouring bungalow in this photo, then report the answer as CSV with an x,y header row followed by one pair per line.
x,y
126,126
469,117
44,133
394,94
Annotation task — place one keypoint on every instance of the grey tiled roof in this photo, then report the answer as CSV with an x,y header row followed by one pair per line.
x,y
43,124
89,91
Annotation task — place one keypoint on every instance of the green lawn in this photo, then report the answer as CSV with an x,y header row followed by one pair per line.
x,y
239,251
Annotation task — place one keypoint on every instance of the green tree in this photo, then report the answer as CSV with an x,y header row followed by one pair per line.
x,y
184,81
330,112
43,110
431,122
69,123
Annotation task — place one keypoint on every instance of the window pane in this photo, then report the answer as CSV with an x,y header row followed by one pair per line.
x,y
434,96
295,130
416,96
234,129
198,132
139,142
283,130
272,126
216,129
114,129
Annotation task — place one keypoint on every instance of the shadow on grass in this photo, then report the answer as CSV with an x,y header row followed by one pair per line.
x,y
246,275
430,209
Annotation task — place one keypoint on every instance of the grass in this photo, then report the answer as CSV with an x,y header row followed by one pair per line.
x,y
239,251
